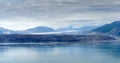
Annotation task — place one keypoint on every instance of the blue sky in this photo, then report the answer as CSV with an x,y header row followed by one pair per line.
x,y
23,14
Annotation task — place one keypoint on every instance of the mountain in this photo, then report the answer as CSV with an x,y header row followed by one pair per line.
x,y
112,29
48,30
5,31
39,29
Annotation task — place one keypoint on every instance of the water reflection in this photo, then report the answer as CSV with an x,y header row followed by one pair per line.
x,y
60,54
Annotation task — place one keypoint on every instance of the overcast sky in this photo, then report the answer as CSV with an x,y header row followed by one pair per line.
x,y
23,14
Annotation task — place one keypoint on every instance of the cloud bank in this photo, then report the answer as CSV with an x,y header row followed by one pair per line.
x,y
23,14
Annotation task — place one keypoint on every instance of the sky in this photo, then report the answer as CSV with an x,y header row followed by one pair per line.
x,y
24,14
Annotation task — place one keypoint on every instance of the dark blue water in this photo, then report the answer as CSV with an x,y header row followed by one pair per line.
x,y
72,53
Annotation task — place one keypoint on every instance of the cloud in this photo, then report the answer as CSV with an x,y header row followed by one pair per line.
x,y
50,8
52,12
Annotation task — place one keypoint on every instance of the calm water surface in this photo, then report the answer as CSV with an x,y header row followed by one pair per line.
x,y
75,53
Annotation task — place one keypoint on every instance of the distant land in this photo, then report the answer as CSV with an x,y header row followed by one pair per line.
x,y
106,32
24,38
110,29
39,29
44,29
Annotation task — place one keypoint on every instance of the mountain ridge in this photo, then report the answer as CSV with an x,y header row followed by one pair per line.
x,y
112,28
38,29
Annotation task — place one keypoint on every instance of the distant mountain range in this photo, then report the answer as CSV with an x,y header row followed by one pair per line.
x,y
5,31
112,29
39,29
43,29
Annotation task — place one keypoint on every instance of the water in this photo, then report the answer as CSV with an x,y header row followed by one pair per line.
x,y
76,53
